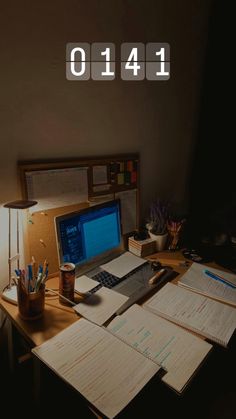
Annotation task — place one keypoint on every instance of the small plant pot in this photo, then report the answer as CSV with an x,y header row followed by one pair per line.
x,y
160,239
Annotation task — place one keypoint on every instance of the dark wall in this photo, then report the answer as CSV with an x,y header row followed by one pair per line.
x,y
45,116
213,191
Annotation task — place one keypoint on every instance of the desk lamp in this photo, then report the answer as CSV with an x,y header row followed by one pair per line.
x,y
10,292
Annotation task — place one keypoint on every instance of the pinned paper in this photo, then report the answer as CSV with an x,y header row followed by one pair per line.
x,y
120,179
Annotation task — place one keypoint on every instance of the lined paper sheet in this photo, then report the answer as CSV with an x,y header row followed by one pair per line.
x,y
196,280
102,368
84,284
212,319
123,264
100,306
176,350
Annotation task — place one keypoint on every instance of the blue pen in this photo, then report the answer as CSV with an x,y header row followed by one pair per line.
x,y
30,277
219,278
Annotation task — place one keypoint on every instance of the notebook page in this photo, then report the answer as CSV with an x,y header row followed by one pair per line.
x,y
176,350
210,318
123,265
100,306
195,279
103,369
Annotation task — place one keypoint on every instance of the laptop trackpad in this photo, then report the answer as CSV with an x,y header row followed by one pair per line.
x,y
129,287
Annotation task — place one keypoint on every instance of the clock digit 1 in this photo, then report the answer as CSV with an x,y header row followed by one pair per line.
x,y
162,62
108,71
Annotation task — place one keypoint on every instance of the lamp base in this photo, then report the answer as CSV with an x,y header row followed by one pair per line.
x,y
10,294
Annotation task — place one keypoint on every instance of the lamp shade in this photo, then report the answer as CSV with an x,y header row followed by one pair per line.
x,y
20,204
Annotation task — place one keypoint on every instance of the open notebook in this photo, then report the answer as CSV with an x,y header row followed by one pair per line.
x,y
109,366
196,280
212,319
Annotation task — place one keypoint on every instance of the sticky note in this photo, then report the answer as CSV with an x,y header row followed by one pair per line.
x,y
133,177
122,166
120,179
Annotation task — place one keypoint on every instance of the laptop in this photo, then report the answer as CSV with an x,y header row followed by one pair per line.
x,y
93,236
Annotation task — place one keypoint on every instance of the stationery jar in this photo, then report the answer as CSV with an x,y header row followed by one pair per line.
x,y
30,304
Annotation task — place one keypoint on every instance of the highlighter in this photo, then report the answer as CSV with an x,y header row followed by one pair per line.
x,y
157,276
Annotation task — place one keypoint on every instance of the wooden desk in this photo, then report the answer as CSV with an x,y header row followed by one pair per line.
x,y
57,316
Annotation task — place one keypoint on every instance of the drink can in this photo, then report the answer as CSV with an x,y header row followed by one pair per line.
x,y
67,282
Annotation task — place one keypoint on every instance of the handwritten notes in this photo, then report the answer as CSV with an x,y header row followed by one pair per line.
x,y
196,280
176,350
210,318
103,369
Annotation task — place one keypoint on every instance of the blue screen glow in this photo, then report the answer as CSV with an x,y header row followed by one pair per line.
x,y
90,233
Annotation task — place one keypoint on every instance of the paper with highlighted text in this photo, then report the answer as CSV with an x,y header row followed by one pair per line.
x,y
106,371
177,351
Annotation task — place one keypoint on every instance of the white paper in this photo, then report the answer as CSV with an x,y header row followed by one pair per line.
x,y
57,188
196,280
212,319
176,350
99,175
100,306
124,264
84,284
128,200
107,372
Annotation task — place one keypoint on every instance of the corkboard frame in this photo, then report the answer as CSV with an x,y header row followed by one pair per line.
x,y
40,240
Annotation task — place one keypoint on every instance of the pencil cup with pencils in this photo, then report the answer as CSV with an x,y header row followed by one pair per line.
x,y
174,230
30,304
31,291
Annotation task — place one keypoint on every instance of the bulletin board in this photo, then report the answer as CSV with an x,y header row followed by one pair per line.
x,y
60,187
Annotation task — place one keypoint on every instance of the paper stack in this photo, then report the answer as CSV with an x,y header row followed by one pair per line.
x,y
142,248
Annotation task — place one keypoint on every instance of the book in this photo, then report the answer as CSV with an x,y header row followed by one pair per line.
x,y
142,248
209,318
197,280
109,366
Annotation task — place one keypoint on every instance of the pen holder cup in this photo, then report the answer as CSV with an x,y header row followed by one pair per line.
x,y
174,237
30,304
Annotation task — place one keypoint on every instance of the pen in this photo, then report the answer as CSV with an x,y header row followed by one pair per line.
x,y
157,276
219,278
62,296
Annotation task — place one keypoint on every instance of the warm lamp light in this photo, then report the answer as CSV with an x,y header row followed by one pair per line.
x,y
10,292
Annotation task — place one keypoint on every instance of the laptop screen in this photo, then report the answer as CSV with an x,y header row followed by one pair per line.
x,y
89,233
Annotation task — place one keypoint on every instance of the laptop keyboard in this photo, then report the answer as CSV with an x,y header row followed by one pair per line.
x,y
106,279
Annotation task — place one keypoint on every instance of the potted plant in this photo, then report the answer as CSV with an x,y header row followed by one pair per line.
x,y
157,223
